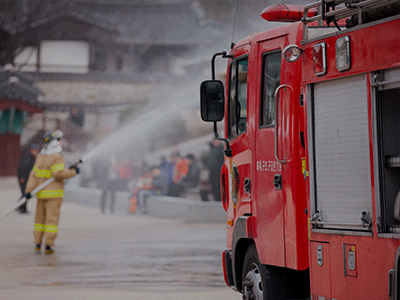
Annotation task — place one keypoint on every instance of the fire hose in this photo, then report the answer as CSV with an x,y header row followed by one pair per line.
x,y
33,193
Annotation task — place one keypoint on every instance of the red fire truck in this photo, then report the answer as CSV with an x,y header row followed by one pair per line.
x,y
311,177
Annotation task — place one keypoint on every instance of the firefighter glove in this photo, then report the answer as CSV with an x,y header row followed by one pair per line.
x,y
76,169
28,196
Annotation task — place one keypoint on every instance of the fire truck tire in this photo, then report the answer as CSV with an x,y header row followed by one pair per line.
x,y
254,276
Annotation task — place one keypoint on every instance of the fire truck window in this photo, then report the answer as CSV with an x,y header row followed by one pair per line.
x,y
270,81
237,107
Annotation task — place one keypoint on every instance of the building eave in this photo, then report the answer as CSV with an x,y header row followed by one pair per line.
x,y
136,78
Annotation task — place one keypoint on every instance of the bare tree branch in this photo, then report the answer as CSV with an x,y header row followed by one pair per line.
x,y
19,20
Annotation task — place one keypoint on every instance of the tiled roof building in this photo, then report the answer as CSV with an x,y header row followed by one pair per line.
x,y
100,57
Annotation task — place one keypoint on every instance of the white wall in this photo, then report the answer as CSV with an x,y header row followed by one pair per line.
x,y
64,56
56,56
28,59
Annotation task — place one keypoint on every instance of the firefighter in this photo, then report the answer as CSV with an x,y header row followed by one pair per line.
x,y
49,163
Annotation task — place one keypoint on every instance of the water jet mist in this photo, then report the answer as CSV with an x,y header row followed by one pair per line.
x,y
136,132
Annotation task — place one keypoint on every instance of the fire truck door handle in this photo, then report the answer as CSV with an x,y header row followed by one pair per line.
x,y
276,121
247,186
278,181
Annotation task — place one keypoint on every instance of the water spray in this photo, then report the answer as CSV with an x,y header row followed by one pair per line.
x,y
134,131
123,136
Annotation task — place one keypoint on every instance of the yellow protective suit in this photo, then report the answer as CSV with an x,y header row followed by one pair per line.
x,y
50,198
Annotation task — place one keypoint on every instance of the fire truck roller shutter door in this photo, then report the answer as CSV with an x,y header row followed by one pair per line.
x,y
342,157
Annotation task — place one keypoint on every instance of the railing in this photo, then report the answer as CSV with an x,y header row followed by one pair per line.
x,y
350,8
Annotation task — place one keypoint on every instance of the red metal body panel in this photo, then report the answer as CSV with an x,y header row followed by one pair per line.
x,y
372,48
268,202
321,273
240,160
343,264
280,230
374,258
279,214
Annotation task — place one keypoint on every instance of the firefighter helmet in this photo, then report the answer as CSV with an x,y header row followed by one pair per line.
x,y
51,135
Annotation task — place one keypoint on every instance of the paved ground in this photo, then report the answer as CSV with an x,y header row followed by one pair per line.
x,y
116,256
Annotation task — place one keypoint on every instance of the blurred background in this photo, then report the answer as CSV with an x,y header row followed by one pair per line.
x,y
121,80
93,67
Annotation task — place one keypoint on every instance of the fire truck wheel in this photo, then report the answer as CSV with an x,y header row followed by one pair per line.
x,y
254,276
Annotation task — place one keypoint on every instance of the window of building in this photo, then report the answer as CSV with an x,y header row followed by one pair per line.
x,y
237,106
100,61
271,74
120,63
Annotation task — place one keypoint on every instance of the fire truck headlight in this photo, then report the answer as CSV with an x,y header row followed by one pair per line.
x,y
292,53
343,53
319,59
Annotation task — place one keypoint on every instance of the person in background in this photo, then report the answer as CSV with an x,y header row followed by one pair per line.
x,y
168,167
25,166
125,173
156,185
191,179
101,168
119,175
77,116
143,183
181,167
49,163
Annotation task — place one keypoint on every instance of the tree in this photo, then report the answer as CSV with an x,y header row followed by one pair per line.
x,y
20,21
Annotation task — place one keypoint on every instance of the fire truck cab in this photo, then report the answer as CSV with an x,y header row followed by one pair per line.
x,y
311,177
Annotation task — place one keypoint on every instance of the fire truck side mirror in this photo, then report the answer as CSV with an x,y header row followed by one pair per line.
x,y
212,100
